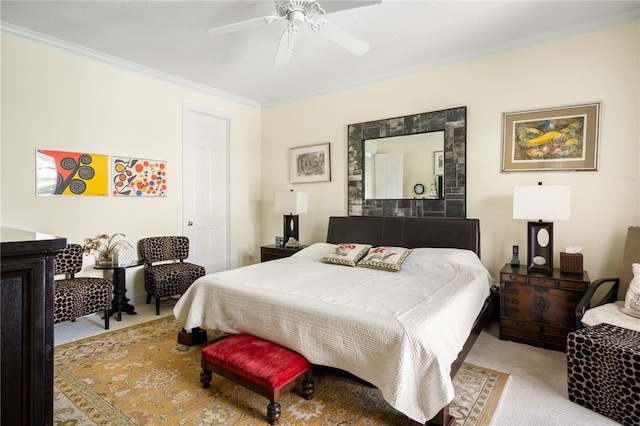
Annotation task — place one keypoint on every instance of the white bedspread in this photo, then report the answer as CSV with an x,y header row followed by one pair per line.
x,y
397,330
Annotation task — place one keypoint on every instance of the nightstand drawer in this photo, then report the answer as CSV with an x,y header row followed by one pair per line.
x,y
573,285
273,252
536,328
534,338
513,278
546,282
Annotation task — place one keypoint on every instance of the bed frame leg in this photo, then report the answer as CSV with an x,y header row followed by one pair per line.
x,y
443,418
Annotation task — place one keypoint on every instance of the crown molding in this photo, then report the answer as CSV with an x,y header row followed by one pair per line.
x,y
45,40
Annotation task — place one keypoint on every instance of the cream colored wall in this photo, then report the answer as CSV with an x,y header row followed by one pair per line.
x,y
601,66
59,100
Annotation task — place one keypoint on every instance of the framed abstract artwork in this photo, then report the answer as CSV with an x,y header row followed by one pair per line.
x,y
311,163
137,177
438,163
553,139
71,173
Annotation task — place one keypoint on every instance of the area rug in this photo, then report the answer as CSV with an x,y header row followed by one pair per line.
x,y
141,376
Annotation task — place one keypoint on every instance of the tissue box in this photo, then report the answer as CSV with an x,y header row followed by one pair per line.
x,y
123,256
571,263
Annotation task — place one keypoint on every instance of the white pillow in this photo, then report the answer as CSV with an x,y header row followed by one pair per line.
x,y
632,299
385,258
347,254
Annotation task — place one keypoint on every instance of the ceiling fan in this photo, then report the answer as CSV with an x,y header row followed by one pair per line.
x,y
297,12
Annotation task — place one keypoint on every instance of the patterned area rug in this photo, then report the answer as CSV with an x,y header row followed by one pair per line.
x,y
141,376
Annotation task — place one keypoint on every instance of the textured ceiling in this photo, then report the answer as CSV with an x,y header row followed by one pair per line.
x,y
405,36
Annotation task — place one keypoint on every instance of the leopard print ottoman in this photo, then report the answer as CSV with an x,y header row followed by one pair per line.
x,y
603,368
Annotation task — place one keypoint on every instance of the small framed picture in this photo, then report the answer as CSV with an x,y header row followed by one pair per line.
x,y
553,139
311,163
438,163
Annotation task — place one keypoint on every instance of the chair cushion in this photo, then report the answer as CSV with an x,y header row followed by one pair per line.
x,y
631,256
68,260
632,299
171,278
610,313
263,363
158,249
77,297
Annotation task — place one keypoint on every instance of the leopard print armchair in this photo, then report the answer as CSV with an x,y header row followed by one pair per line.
x,y
165,271
75,297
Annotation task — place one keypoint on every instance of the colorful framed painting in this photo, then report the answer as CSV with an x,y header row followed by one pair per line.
x,y
71,173
311,163
554,139
137,177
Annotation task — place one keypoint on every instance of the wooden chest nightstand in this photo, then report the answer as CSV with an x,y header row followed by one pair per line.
x,y
538,309
272,252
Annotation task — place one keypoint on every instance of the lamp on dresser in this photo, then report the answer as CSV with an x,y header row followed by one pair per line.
x,y
293,203
548,202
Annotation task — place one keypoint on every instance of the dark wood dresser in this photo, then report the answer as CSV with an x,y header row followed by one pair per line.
x,y
272,252
26,326
539,309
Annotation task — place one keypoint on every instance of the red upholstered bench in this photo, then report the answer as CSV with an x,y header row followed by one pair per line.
x,y
264,367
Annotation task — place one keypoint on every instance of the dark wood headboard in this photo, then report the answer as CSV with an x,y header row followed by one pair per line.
x,y
409,232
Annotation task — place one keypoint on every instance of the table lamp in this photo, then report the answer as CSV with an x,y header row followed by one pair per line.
x,y
549,202
293,203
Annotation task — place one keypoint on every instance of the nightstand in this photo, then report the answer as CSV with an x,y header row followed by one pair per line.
x,y
272,252
539,309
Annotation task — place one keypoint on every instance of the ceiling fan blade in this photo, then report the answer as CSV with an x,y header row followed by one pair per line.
x,y
331,6
287,43
237,26
342,38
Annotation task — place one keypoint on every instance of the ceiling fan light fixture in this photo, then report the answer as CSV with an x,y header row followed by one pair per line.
x,y
307,8
296,17
296,12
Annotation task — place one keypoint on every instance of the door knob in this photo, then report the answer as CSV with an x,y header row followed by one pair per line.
x,y
189,223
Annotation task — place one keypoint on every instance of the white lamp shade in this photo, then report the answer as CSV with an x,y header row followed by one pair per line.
x,y
542,202
291,202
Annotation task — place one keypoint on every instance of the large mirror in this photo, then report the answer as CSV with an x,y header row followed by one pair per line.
x,y
449,200
409,166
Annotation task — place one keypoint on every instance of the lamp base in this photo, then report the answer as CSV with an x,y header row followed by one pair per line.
x,y
290,227
540,247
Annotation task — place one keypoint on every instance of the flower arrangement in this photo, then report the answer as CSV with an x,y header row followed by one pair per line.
x,y
103,245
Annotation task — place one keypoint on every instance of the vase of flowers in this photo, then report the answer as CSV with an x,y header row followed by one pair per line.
x,y
104,246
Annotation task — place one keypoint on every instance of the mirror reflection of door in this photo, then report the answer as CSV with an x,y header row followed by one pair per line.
x,y
418,155
388,175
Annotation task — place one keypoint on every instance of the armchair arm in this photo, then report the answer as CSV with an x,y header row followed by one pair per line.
x,y
585,302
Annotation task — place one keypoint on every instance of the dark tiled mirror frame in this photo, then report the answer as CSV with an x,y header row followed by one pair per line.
x,y
454,123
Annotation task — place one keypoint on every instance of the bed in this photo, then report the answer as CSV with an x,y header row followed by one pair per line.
x,y
405,332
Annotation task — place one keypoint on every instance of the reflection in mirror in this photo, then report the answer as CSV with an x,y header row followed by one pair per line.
x,y
395,167
453,122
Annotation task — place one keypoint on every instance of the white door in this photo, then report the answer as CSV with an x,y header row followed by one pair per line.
x,y
206,187
388,175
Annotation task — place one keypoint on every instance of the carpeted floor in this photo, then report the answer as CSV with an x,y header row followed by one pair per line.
x,y
140,375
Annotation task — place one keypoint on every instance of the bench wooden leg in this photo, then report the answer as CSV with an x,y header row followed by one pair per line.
x,y
273,412
205,378
308,388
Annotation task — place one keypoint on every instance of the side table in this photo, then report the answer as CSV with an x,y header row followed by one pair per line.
x,y
120,301
539,309
272,252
